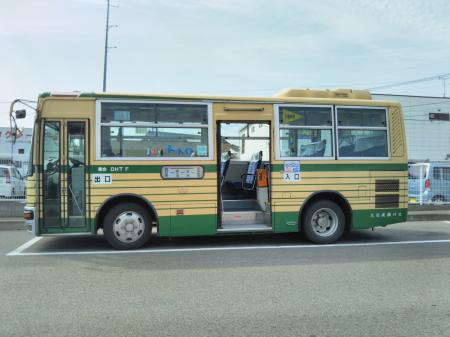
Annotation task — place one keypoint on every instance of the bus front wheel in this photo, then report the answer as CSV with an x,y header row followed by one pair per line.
x,y
127,226
323,222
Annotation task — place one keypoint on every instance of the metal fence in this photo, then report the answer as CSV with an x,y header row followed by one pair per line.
x,y
12,198
429,183
11,208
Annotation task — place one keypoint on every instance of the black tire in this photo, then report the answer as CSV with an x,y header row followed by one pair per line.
x,y
334,213
124,210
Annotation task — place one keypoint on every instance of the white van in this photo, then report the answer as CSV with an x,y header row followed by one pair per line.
x,y
429,182
12,184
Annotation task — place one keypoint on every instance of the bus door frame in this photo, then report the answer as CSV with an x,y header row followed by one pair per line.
x,y
63,226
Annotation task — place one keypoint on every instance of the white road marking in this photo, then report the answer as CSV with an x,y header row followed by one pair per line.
x,y
447,221
26,245
18,251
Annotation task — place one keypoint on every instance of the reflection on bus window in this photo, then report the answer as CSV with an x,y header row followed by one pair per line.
x,y
154,142
362,132
363,143
143,130
51,174
76,174
306,143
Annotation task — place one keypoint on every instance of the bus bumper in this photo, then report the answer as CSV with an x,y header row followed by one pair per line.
x,y
29,215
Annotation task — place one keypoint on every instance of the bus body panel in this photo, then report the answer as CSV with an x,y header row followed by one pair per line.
x,y
190,207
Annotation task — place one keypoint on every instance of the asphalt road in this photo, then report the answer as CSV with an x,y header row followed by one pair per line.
x,y
274,285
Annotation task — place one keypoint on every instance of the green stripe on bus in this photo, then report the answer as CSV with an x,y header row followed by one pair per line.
x,y
328,167
361,219
206,224
191,225
368,218
134,97
128,168
131,97
346,167
141,168
275,168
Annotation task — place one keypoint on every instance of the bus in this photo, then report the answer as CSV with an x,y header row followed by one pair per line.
x,y
135,166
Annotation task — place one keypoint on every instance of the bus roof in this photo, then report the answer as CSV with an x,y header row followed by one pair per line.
x,y
286,95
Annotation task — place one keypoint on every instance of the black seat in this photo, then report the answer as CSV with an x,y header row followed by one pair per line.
x,y
248,179
224,163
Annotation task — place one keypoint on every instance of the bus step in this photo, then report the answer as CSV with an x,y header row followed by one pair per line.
x,y
244,228
242,218
240,205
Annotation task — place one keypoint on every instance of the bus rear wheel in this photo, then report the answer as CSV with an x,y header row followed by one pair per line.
x,y
323,222
127,226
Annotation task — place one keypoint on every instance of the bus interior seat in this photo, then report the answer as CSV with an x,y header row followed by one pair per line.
x,y
346,146
316,149
368,147
248,179
224,164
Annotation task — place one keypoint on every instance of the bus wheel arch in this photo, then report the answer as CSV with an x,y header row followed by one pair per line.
x,y
332,196
122,198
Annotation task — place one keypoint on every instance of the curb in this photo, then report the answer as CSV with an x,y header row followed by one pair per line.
x,y
13,224
428,216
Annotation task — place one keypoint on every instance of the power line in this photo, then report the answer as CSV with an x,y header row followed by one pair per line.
x,y
443,77
23,100
425,104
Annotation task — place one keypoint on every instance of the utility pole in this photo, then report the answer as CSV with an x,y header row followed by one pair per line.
x,y
107,47
443,80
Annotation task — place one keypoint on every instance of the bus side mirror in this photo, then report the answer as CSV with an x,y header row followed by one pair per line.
x,y
20,114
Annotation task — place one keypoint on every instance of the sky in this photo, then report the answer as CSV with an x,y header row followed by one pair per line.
x,y
225,47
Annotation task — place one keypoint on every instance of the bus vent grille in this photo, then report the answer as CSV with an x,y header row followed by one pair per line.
x,y
397,136
387,185
387,201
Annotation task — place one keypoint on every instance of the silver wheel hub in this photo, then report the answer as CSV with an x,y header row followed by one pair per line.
x,y
129,226
324,222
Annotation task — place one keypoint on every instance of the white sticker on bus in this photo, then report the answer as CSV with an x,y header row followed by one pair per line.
x,y
101,179
291,171
202,150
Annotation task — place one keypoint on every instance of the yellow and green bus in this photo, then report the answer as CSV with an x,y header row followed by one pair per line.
x,y
133,166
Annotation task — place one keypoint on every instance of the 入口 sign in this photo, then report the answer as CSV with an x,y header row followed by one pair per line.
x,y
291,171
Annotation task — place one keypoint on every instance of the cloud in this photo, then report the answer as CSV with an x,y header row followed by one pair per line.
x,y
22,18
211,45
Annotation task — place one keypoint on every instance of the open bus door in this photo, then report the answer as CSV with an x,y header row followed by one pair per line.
x,y
244,154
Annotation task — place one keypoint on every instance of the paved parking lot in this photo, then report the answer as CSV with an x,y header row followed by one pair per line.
x,y
393,281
